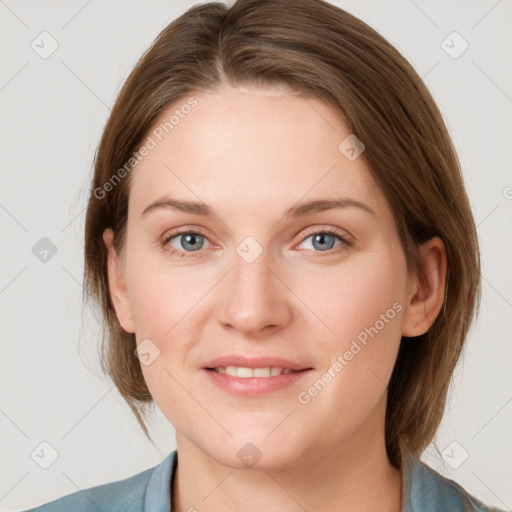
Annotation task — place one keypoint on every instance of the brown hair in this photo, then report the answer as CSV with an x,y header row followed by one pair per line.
x,y
320,51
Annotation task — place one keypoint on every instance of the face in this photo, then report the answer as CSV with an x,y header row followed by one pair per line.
x,y
315,289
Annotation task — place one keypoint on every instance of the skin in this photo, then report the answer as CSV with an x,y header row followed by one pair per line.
x,y
251,153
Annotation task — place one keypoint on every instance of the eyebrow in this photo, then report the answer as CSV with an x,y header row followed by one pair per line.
x,y
297,210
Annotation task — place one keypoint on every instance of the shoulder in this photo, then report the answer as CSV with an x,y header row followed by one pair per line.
x,y
428,490
127,495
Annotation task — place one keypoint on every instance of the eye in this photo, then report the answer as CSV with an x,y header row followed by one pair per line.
x,y
325,240
185,242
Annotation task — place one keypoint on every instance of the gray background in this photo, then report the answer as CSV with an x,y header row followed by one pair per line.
x,y
52,112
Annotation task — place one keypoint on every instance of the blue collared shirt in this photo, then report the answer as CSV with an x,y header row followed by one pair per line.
x,y
424,490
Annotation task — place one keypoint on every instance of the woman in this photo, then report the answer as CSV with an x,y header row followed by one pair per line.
x,y
280,239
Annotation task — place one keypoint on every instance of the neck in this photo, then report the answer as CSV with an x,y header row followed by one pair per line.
x,y
355,477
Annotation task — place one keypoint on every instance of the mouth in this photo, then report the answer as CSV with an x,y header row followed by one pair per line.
x,y
254,377
244,372
260,364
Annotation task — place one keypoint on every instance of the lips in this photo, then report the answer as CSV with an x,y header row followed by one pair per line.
x,y
254,362
253,377
248,373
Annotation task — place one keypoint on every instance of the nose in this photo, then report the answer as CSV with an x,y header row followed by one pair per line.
x,y
255,300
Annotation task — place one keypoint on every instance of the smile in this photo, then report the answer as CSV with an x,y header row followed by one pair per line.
x,y
254,382
246,373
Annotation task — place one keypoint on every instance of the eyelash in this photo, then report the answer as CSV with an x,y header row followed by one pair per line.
x,y
329,231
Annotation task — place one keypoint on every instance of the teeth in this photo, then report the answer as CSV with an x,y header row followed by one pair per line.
x,y
246,373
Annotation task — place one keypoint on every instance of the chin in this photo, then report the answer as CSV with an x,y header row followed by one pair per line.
x,y
254,452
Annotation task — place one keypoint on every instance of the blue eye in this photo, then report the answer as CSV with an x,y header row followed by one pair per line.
x,y
190,241
323,241
186,243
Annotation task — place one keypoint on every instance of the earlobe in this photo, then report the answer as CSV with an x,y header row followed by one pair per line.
x,y
117,285
426,291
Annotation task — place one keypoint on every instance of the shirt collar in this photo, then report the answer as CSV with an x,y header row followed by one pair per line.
x,y
158,490
419,485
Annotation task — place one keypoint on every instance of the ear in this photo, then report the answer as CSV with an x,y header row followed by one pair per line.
x,y
117,285
426,292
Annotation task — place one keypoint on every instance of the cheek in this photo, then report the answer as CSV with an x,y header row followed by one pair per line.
x,y
362,307
342,301
162,303
168,307
163,296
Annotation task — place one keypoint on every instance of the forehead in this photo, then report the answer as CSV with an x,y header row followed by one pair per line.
x,y
256,147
